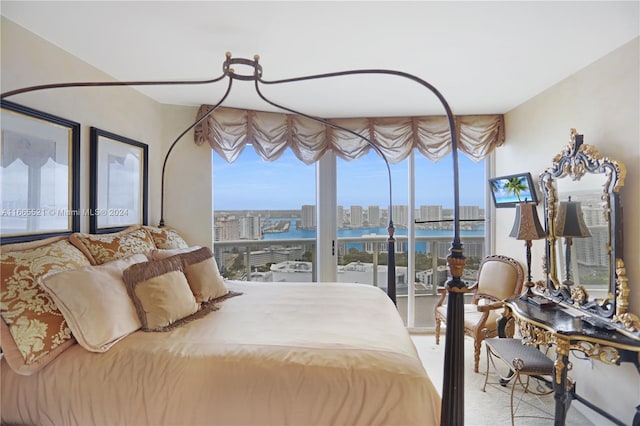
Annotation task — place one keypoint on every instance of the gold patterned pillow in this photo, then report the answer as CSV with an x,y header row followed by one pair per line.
x,y
166,238
102,248
33,331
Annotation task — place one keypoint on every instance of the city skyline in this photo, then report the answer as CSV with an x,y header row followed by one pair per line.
x,y
253,224
250,183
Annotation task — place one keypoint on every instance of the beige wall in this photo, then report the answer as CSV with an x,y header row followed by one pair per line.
x,y
29,60
602,101
188,180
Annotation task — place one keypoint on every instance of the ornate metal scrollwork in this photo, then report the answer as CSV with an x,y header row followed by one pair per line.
x,y
562,351
533,334
541,287
580,295
628,320
606,354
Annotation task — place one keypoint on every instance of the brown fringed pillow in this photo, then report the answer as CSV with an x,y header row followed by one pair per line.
x,y
161,294
203,275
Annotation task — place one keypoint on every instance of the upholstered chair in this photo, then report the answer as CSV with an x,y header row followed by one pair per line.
x,y
499,277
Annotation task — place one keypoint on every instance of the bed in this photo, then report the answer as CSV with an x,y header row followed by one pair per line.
x,y
280,353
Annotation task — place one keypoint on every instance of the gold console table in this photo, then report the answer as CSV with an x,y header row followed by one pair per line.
x,y
558,327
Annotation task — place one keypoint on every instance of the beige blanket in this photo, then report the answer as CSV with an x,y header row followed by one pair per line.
x,y
280,354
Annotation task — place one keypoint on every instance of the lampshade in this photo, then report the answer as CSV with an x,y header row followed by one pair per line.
x,y
527,226
570,221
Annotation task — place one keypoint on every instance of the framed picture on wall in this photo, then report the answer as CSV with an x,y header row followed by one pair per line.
x,y
119,182
39,174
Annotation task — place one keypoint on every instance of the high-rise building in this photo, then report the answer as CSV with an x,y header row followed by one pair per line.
x,y
250,228
226,228
430,213
401,215
340,217
308,217
470,212
356,216
374,216
592,251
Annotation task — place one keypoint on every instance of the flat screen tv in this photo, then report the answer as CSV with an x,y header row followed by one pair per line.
x,y
507,191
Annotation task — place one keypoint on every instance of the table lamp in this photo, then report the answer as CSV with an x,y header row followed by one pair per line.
x,y
570,224
527,227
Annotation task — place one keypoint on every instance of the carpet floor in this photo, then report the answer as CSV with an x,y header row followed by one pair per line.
x,y
493,406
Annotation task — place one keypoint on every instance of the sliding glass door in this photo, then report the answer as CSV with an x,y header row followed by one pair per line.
x,y
285,221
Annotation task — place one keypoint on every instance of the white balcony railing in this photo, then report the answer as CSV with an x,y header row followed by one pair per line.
x,y
250,259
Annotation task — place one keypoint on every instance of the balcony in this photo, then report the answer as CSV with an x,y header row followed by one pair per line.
x,y
292,260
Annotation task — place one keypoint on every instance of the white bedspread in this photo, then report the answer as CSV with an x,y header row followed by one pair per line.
x,y
280,354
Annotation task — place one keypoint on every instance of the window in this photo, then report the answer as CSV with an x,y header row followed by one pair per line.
x,y
265,220
363,219
434,232
264,217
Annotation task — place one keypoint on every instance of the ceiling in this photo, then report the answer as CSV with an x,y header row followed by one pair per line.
x,y
484,57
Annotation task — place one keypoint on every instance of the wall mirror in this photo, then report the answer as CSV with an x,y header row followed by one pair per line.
x,y
583,220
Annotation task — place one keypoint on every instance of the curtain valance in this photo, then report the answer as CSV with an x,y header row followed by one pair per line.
x,y
229,130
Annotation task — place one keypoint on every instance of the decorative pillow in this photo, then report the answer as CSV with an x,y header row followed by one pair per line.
x,y
166,238
161,293
33,331
95,302
164,253
203,275
102,248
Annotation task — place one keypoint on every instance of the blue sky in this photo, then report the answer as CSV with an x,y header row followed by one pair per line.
x,y
251,183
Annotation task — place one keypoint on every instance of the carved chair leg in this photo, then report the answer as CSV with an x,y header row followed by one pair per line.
x,y
477,342
437,330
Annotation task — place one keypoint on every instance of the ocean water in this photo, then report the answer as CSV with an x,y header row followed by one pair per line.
x,y
421,247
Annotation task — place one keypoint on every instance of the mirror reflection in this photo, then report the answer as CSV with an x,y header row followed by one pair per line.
x,y
582,231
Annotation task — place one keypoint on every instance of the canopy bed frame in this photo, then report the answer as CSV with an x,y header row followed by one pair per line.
x,y
452,410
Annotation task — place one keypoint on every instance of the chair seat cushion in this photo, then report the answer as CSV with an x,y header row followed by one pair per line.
x,y
533,361
472,316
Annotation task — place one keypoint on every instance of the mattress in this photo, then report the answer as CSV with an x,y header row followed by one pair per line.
x,y
279,354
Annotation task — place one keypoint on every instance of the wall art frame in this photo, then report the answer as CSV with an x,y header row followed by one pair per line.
x,y
39,174
119,182
507,191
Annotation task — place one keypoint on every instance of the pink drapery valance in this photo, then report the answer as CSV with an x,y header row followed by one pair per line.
x,y
229,130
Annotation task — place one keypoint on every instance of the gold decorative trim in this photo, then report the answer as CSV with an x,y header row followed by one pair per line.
x,y
622,288
552,204
456,265
546,334
579,295
533,334
629,321
606,354
562,351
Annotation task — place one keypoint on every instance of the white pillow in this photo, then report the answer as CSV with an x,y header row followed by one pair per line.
x,y
95,303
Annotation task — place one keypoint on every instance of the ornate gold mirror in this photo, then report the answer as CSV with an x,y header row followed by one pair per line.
x,y
583,221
